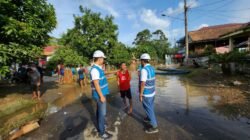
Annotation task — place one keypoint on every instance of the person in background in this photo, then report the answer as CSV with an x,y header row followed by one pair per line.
x,y
61,71
35,81
86,73
74,73
58,71
22,73
100,90
89,68
147,92
81,76
78,67
123,81
40,70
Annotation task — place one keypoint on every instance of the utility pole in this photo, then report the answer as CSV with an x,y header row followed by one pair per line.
x,y
186,29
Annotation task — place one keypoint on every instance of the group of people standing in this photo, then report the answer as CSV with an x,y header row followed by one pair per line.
x,y
79,74
100,90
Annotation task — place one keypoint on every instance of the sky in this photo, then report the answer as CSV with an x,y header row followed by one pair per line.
x,y
133,16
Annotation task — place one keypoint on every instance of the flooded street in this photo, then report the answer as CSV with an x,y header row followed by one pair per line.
x,y
184,111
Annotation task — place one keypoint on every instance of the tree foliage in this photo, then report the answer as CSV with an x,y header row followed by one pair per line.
x,y
155,43
91,32
68,56
160,43
24,27
143,37
119,54
232,56
140,49
26,21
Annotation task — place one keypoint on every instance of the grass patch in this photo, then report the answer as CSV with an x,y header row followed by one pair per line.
x,y
9,126
13,106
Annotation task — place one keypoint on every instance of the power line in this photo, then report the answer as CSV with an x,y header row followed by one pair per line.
x,y
233,10
218,13
221,6
209,4
190,5
222,15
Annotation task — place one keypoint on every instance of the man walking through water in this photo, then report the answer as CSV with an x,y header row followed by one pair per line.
x,y
147,92
123,81
99,85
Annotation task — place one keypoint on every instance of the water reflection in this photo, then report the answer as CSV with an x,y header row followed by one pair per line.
x,y
229,102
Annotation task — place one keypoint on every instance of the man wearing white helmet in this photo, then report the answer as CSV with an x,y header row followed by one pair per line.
x,y
99,86
147,92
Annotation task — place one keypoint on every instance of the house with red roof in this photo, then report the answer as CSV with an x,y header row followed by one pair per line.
x,y
218,37
239,38
48,51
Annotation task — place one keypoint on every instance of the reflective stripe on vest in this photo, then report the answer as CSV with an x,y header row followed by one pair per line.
x,y
102,82
150,83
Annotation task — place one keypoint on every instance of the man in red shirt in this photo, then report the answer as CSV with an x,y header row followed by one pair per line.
x,y
123,81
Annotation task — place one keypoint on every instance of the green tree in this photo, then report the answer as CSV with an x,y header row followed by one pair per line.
x,y
156,44
143,37
91,32
160,43
67,56
118,54
26,21
140,49
24,27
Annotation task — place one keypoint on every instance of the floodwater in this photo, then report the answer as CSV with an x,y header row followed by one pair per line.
x,y
184,111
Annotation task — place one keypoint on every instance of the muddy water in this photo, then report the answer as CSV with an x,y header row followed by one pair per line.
x,y
201,111
184,111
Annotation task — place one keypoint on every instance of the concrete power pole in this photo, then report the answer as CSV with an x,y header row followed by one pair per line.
x,y
186,29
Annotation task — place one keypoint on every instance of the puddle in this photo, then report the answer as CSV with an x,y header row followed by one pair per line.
x,y
203,109
183,110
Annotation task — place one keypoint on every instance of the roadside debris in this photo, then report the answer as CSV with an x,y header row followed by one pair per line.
x,y
53,109
13,131
24,129
221,85
237,83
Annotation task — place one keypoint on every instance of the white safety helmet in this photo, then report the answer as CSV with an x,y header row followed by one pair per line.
x,y
98,54
145,56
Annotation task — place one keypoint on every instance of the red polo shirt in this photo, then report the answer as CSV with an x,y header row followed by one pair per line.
x,y
124,80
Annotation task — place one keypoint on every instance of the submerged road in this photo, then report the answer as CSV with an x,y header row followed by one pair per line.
x,y
184,112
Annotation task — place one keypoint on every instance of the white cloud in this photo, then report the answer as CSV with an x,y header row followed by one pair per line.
x,y
105,5
203,25
175,11
149,17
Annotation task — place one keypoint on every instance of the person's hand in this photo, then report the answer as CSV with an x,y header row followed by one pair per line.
x,y
140,97
103,99
118,84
